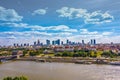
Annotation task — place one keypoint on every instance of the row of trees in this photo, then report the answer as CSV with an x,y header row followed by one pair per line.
x,y
75,53
16,78
87,53
33,52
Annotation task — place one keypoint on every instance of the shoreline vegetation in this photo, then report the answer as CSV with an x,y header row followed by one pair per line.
x,y
16,78
78,60
83,56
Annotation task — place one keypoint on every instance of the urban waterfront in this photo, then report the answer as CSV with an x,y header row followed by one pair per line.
x,y
59,40
59,71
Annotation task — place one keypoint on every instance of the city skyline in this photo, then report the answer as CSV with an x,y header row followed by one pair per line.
x,y
57,42
24,21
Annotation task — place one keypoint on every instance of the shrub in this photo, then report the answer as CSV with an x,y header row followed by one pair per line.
x,y
16,78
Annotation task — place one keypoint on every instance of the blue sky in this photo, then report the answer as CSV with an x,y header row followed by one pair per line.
x,y
24,21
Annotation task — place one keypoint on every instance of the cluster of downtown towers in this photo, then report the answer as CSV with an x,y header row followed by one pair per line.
x,y
59,42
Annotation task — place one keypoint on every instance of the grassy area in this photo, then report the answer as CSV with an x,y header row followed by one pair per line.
x,y
45,55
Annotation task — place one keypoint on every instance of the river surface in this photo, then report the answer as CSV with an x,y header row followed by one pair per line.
x,y
59,71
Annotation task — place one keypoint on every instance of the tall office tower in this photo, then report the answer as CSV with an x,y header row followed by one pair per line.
x,y
47,42
14,45
38,42
94,41
58,42
53,42
83,42
41,44
67,42
61,42
21,45
35,43
25,44
91,42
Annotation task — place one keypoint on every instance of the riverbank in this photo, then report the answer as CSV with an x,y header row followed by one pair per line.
x,y
79,60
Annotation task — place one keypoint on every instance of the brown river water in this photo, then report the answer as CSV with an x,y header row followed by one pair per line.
x,y
59,71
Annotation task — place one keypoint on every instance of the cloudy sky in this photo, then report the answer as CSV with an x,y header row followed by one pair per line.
x,y
24,21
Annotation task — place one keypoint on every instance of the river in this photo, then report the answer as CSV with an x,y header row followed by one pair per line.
x,y
59,71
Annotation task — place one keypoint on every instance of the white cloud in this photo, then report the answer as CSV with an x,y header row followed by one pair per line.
x,y
62,28
11,37
95,17
107,33
86,32
39,12
9,15
71,12
95,33
59,27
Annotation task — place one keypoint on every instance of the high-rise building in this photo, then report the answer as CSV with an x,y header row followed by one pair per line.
x,y
91,42
38,42
21,45
94,41
53,42
47,42
67,41
25,44
83,42
61,42
35,43
14,45
57,42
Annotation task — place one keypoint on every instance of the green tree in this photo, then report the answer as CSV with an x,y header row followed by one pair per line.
x,y
80,54
32,53
16,78
8,78
65,54
58,54
25,52
109,54
76,55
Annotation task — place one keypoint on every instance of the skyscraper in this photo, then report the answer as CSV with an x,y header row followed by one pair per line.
x,y
14,45
91,42
35,43
47,42
57,42
61,42
25,44
94,41
38,42
67,42
83,42
53,42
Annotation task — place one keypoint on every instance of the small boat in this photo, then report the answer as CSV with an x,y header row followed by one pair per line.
x,y
115,63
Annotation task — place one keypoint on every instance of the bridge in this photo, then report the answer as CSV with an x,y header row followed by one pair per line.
x,y
11,57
